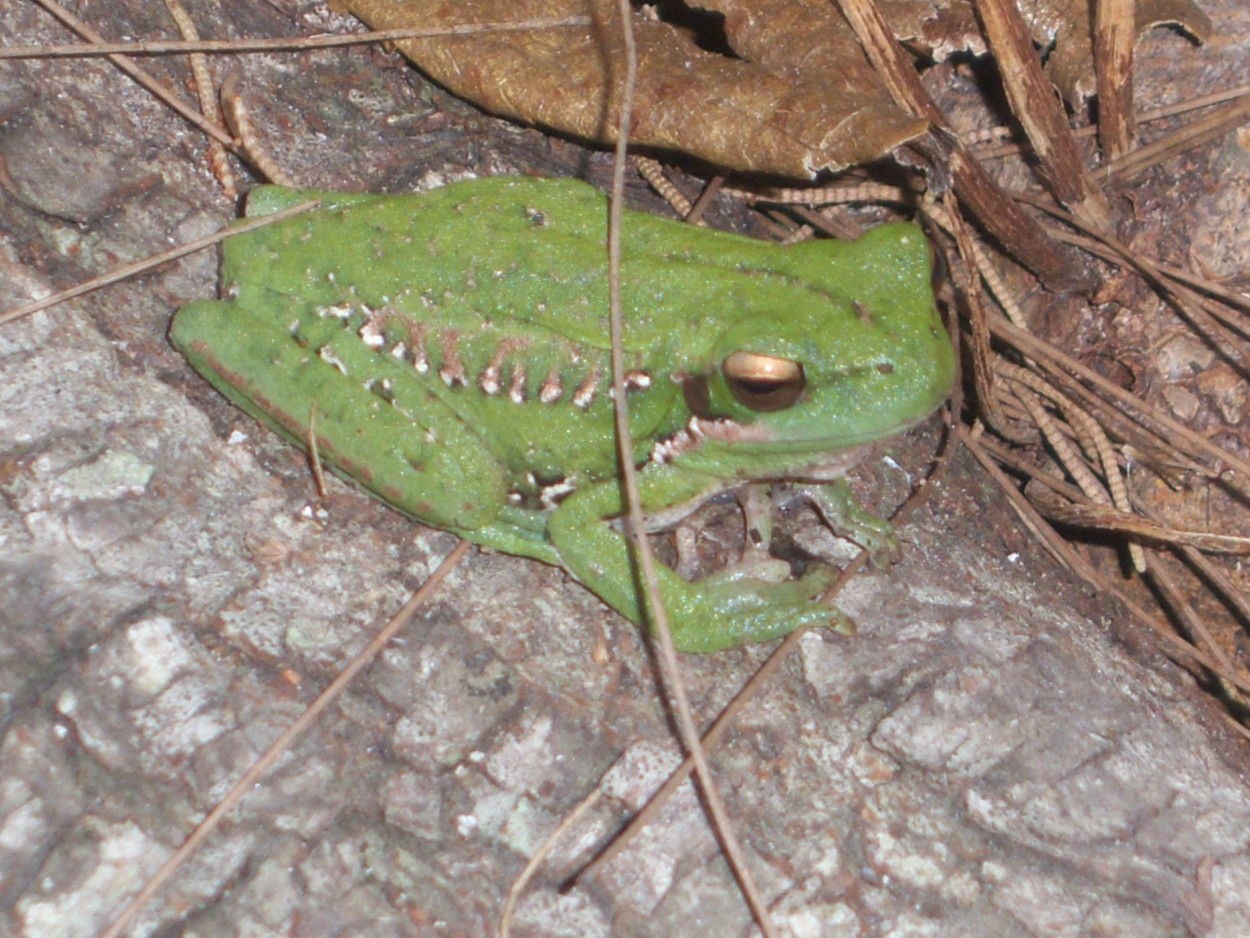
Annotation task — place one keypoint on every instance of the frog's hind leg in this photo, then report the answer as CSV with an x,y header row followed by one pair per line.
x,y
705,616
517,531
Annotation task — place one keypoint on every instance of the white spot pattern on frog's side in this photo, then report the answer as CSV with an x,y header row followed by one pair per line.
x,y
372,331
637,380
633,381
516,387
552,388
452,369
584,395
490,380
326,354
550,495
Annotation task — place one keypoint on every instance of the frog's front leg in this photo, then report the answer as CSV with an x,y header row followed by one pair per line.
x,y
704,616
755,561
840,509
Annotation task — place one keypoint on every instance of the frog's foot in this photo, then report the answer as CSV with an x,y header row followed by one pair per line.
x,y
839,509
755,500
730,609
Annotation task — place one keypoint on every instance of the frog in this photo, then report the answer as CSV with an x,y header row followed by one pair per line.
x,y
453,347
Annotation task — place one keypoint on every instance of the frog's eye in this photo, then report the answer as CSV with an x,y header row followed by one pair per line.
x,y
761,382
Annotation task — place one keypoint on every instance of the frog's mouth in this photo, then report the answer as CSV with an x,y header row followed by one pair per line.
x,y
702,430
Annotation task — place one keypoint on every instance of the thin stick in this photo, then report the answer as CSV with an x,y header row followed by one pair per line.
x,y
138,74
667,658
535,863
281,43
314,455
139,267
1194,134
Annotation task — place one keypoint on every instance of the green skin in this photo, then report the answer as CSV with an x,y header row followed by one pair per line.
x,y
499,286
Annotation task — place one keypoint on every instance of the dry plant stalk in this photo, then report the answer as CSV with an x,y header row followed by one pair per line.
x,y
1113,51
1058,267
1034,103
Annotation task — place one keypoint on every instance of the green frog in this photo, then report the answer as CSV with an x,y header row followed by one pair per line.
x,y
454,345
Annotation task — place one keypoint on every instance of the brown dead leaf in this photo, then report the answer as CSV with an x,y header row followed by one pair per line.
x,y
765,112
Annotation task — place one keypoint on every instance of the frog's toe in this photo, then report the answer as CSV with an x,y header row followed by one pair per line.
x,y
841,622
886,552
882,544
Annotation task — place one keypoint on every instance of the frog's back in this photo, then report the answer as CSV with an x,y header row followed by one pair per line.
x,y
492,294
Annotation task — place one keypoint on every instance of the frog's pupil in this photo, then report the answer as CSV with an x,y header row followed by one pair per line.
x,y
765,395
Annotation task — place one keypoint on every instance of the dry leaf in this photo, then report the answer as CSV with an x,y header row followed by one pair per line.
x,y
799,98
750,114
